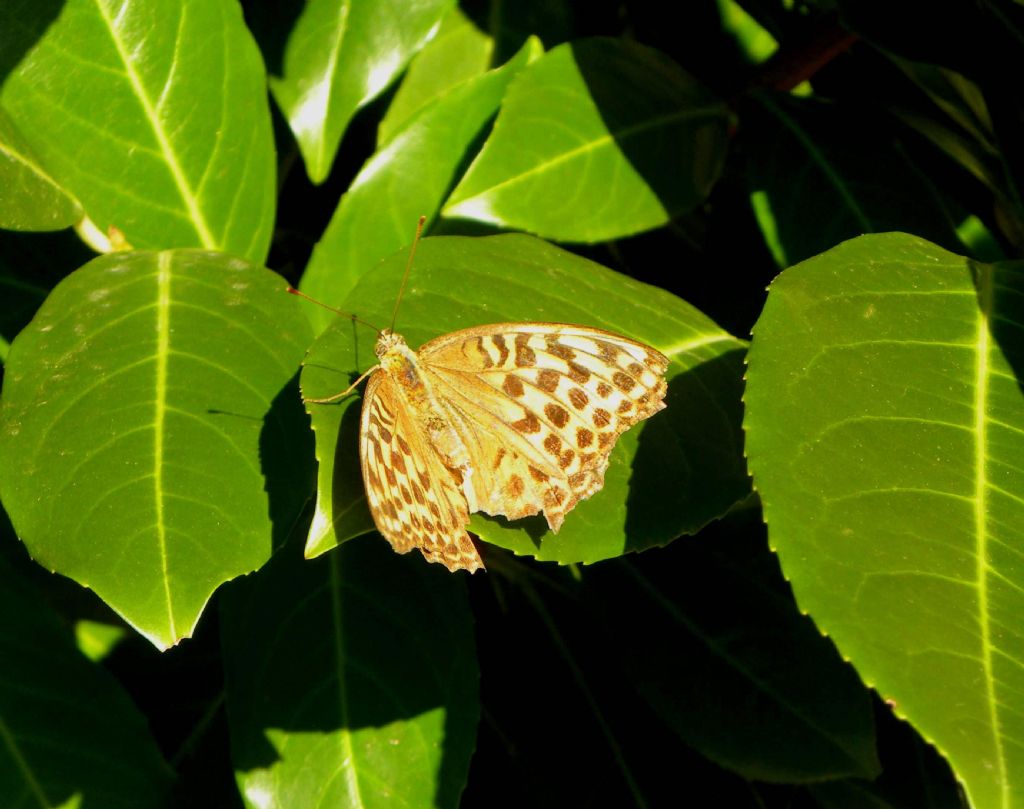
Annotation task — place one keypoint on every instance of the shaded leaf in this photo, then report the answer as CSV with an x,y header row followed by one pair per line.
x,y
601,125
30,199
71,736
30,265
154,116
712,640
339,55
621,755
352,677
148,435
408,178
883,429
817,178
913,775
669,475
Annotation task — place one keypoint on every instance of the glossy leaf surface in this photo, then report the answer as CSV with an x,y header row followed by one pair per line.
x,y
406,179
150,444
603,126
458,52
153,115
884,422
340,54
30,199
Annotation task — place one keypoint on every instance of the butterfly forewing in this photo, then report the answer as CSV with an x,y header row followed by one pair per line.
x,y
539,407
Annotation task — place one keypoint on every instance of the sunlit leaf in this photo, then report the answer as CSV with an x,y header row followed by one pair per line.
x,y
30,199
458,52
153,115
406,179
598,139
339,55
884,419
150,443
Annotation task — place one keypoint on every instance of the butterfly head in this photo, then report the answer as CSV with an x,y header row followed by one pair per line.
x,y
387,342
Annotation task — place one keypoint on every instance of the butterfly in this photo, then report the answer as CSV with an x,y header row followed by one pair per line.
x,y
510,419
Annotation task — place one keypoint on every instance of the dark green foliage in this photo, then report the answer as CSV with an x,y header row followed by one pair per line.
x,y
800,585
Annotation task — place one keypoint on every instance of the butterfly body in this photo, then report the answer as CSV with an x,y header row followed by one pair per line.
x,y
510,419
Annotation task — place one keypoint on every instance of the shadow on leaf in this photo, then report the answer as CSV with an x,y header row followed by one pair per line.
x,y
689,467
359,647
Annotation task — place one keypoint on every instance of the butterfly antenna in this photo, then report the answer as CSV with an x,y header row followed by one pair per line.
x,y
341,312
408,266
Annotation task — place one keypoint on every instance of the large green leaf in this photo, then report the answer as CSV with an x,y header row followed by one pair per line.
x,y
154,116
459,52
406,179
710,637
148,431
353,678
667,476
341,54
69,736
884,421
599,139
30,199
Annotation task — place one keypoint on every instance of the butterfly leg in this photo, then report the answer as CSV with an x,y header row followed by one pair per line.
x,y
345,392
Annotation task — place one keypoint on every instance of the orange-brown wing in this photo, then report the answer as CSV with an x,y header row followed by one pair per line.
x,y
539,407
416,501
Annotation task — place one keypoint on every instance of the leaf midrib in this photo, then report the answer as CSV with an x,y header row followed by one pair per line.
x,y
981,394
345,730
591,145
166,147
163,330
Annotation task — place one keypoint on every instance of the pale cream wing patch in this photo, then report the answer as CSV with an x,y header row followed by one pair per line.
x,y
539,407
416,501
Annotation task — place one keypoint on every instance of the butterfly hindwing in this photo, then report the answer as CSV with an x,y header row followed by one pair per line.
x,y
416,501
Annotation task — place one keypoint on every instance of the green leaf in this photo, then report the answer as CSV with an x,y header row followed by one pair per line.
x,y
960,99
71,736
670,475
753,39
29,198
599,139
96,640
154,116
459,52
148,431
817,178
913,775
408,178
883,422
339,56
713,642
353,678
